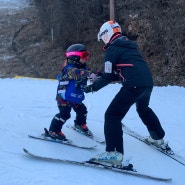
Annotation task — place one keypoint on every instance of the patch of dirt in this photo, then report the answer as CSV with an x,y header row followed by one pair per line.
x,y
23,48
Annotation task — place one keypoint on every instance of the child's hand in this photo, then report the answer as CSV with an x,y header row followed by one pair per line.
x,y
88,88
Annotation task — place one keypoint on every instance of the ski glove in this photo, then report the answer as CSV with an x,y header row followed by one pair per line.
x,y
93,76
88,88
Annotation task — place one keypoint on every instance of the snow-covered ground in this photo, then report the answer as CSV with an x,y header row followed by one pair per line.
x,y
13,4
28,105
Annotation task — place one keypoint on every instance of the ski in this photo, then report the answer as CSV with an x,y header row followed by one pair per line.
x,y
83,133
125,169
169,153
67,142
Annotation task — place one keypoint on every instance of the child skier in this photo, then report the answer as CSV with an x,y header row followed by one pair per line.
x,y
70,92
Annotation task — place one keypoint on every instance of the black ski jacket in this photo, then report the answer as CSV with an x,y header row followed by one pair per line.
x,y
123,58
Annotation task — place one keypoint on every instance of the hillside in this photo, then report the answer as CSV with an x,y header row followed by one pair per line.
x,y
28,48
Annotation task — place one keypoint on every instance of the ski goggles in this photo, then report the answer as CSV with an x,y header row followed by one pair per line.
x,y
82,54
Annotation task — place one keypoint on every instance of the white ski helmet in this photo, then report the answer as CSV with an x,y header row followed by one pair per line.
x,y
107,30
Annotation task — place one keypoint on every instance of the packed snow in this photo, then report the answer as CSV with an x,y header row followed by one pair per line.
x,y
27,106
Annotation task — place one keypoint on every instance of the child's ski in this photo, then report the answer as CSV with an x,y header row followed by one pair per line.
x,y
83,133
67,142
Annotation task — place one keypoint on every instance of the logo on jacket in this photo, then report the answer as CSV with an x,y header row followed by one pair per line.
x,y
108,67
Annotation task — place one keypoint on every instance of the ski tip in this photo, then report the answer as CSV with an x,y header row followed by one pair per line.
x,y
169,179
93,147
26,151
163,179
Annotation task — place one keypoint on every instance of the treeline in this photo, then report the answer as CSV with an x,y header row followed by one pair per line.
x,y
70,21
157,26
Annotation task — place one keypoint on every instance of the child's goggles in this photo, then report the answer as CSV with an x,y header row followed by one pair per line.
x,y
82,54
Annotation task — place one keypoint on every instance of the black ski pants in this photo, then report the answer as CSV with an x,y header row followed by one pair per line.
x,y
117,110
65,113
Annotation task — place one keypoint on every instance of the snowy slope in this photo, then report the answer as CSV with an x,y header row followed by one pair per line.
x,y
28,105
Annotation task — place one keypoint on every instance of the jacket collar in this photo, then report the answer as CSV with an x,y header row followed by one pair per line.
x,y
113,38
